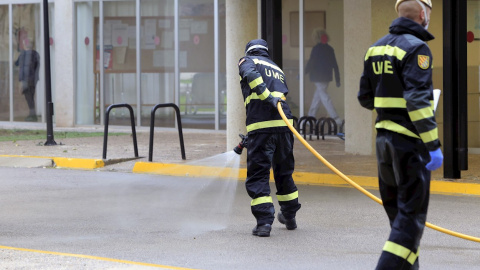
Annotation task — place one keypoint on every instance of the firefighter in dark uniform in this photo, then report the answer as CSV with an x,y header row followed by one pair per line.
x,y
397,83
270,142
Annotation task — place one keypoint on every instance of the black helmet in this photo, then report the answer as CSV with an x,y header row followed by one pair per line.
x,y
256,47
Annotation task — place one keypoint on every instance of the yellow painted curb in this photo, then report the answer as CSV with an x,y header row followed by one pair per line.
x,y
78,163
189,170
72,163
326,179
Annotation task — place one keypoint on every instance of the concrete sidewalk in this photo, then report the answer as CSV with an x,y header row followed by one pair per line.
x,y
205,152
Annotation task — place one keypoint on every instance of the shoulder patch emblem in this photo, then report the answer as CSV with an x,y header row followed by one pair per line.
x,y
241,61
423,61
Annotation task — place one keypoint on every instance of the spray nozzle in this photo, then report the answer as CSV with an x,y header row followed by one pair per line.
x,y
242,144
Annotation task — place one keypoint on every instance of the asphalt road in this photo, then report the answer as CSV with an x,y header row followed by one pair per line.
x,y
198,223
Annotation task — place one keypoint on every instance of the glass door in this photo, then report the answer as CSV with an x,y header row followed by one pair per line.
x,y
473,72
27,63
4,64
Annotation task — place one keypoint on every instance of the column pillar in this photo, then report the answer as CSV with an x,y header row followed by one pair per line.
x,y
358,38
64,102
241,27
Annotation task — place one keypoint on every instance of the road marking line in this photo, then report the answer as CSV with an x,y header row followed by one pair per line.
x,y
96,258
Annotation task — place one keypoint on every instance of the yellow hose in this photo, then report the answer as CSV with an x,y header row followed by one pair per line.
x,y
357,186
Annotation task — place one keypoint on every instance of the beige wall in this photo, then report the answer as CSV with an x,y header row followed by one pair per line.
x,y
358,37
239,30
64,98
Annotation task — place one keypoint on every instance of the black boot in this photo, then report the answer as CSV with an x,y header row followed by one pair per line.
x,y
262,230
291,224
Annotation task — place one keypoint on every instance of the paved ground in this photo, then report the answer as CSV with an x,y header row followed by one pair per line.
x,y
204,150
84,219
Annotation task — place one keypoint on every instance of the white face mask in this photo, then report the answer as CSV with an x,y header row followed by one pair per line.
x,y
427,20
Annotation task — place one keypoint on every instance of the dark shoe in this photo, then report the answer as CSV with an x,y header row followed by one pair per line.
x,y
291,224
31,118
262,230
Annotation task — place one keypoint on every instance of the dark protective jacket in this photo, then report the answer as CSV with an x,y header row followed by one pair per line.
x,y
261,79
397,82
29,63
321,63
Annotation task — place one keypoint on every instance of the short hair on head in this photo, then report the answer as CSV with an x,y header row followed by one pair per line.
x,y
318,33
27,43
409,9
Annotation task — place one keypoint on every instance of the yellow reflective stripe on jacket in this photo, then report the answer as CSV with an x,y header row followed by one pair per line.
x,y
390,125
256,82
288,197
421,114
265,63
268,124
386,102
385,50
255,96
401,251
265,94
260,200
429,136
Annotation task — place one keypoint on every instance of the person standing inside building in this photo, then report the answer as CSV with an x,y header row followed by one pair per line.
x,y
321,66
270,141
29,67
397,83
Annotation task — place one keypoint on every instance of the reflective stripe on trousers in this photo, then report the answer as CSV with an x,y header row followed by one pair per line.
x,y
404,185
265,151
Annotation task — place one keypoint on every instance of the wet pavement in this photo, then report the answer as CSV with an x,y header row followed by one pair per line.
x,y
113,213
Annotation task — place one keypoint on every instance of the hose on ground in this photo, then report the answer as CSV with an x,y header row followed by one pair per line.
x,y
357,186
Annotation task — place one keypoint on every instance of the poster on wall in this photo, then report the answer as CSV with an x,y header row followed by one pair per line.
x,y
473,18
107,57
312,20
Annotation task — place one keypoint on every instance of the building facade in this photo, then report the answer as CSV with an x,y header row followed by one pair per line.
x,y
146,52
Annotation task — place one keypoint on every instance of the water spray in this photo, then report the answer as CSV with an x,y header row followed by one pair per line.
x,y
242,144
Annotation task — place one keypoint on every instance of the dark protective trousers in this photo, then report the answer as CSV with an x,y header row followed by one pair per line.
x,y
404,184
265,151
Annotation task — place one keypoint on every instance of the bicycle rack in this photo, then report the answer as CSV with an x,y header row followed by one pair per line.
x,y
318,124
330,123
132,121
152,124
311,121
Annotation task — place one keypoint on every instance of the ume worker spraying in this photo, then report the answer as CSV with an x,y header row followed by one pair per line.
x,y
270,141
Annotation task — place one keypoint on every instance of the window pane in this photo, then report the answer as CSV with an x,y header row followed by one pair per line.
x,y
323,44
158,77
119,59
197,87
27,42
4,65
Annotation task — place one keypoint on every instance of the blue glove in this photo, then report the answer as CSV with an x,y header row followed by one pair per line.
x,y
274,100
436,159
